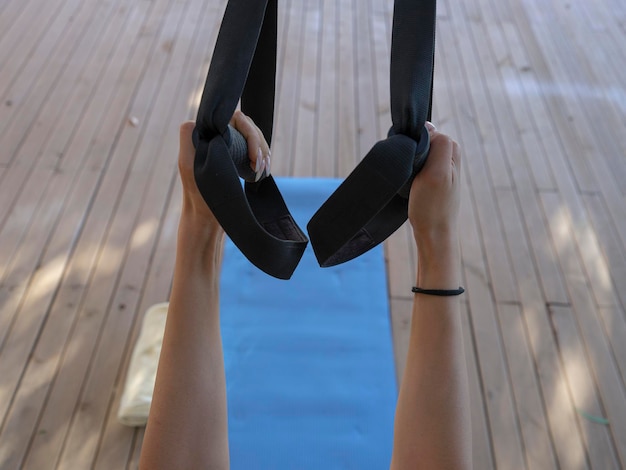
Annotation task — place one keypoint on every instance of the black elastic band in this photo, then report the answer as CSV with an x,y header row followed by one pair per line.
x,y
439,292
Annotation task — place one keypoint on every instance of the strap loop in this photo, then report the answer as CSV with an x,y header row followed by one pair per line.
x,y
372,202
256,217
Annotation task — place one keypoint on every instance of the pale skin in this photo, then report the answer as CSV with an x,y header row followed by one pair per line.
x,y
188,426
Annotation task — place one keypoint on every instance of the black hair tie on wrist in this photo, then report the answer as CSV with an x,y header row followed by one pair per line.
x,y
438,292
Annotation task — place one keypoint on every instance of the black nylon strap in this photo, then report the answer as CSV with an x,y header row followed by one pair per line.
x,y
412,65
244,66
372,202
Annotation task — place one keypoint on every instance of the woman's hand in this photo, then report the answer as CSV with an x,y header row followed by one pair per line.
x,y
258,148
195,212
434,199
196,215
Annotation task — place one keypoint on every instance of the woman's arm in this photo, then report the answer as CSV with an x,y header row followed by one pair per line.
x,y
188,426
432,428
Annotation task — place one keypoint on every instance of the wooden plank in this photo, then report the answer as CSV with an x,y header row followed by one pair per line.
x,y
538,450
558,407
380,27
482,442
614,316
72,99
120,445
133,231
551,277
480,68
587,242
493,384
509,61
326,149
609,139
32,143
546,64
570,118
283,142
475,103
306,143
37,145
503,423
283,31
37,192
116,442
124,88
599,442
401,262
10,5
365,73
10,10
68,301
614,255
25,32
346,92
31,93
602,72
613,193
580,377
327,146
24,275
538,447
496,389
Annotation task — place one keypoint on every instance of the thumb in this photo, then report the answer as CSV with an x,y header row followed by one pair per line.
x,y
186,142
437,167
186,153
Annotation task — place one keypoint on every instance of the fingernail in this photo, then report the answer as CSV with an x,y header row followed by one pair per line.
x,y
267,165
430,126
259,158
259,173
258,169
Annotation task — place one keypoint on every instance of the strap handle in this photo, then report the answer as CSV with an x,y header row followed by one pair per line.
x,y
244,66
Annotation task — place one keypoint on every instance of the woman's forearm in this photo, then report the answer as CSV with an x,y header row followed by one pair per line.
x,y
432,421
187,427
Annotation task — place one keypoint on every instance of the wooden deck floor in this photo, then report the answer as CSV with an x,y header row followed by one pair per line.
x,y
532,89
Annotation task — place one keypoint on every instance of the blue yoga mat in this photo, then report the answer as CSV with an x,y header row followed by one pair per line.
x,y
309,362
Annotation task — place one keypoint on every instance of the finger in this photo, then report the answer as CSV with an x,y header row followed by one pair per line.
x,y
186,141
441,149
246,127
456,154
265,150
260,162
437,168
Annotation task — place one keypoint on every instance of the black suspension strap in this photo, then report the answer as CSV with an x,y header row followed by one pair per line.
x,y
244,66
369,205
372,202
